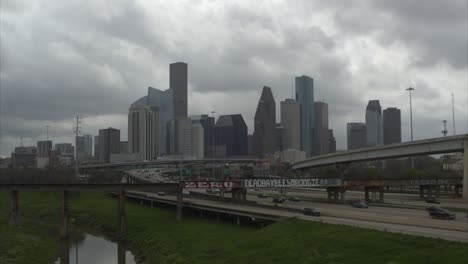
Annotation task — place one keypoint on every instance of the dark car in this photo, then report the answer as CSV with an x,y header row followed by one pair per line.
x,y
432,200
294,199
278,200
436,212
311,211
359,204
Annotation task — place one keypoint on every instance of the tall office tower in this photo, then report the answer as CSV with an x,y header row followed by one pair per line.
x,y
178,84
374,128
65,149
143,131
109,143
392,125
155,100
331,141
197,143
250,152
280,137
96,147
290,120
357,135
43,148
265,124
124,147
179,133
321,134
84,146
231,131
208,131
305,97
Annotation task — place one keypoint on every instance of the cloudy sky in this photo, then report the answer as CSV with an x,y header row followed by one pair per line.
x,y
94,58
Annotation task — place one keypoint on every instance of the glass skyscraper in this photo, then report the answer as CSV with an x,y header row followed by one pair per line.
x,y
305,97
374,129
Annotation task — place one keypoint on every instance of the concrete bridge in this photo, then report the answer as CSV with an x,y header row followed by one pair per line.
x,y
407,149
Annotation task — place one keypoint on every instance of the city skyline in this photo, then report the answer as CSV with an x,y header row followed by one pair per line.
x,y
371,67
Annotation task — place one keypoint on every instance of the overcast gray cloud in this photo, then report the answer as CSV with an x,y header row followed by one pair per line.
x,y
60,59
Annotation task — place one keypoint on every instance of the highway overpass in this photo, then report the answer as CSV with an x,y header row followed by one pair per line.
x,y
407,149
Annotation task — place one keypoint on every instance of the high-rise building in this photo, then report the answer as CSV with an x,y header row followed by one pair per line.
x,y
156,100
305,97
43,148
391,125
321,134
178,83
290,120
331,141
231,132
24,157
84,146
357,137
265,125
143,131
109,143
179,136
208,129
124,147
197,140
374,129
65,150
96,147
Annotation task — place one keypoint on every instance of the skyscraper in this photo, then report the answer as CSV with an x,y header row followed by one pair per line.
x,y
178,83
109,143
392,125
179,133
43,148
143,131
331,141
374,130
321,133
208,128
231,131
96,147
265,124
84,146
290,120
356,133
197,143
156,100
305,97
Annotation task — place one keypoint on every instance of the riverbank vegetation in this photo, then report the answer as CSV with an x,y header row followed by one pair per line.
x,y
155,236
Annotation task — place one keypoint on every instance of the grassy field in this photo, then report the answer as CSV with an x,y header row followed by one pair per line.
x,y
158,238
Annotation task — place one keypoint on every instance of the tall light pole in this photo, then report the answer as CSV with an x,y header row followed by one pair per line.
x,y
411,121
213,143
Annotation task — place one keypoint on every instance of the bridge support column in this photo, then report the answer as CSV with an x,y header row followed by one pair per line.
x,y
179,205
121,214
13,208
465,171
64,215
381,194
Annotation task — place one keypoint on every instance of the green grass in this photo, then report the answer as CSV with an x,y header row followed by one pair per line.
x,y
158,238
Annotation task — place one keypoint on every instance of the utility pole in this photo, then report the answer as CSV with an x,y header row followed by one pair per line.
x,y
77,130
453,116
411,121
444,132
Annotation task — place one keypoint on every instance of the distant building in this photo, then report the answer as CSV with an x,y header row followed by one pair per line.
x,y
357,137
144,130
43,148
374,129
109,143
331,141
264,135
84,146
24,157
392,125
280,137
208,129
290,155
124,147
178,78
65,150
250,152
321,141
197,140
231,132
290,120
305,97
96,147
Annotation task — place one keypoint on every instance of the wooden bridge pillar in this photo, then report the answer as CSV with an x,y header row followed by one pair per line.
x,y
13,208
64,215
179,205
121,214
465,171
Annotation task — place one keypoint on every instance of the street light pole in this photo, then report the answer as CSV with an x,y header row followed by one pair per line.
x,y
411,121
213,154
